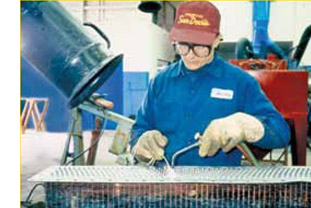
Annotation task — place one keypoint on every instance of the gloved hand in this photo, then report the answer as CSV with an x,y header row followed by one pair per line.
x,y
150,145
228,132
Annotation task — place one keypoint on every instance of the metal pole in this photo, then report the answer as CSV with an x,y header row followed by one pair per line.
x,y
66,148
77,136
95,137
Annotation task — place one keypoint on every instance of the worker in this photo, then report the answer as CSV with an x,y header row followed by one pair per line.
x,y
201,93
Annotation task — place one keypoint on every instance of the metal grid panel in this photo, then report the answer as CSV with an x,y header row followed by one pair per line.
x,y
79,195
193,187
136,174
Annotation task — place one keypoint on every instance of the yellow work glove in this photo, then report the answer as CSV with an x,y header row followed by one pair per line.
x,y
228,132
150,145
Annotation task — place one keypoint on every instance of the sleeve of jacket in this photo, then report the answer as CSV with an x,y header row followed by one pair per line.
x,y
145,116
255,102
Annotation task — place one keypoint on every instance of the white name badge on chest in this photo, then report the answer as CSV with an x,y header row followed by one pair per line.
x,y
222,94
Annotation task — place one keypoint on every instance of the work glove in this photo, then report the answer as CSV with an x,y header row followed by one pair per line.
x,y
228,132
150,146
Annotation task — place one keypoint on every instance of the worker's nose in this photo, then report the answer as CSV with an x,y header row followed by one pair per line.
x,y
191,54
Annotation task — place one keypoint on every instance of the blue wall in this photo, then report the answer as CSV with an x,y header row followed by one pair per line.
x,y
135,86
33,84
113,88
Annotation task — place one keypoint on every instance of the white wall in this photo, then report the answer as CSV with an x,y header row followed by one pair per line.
x,y
236,19
130,31
143,43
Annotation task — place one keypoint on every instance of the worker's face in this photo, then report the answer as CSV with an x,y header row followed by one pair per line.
x,y
196,56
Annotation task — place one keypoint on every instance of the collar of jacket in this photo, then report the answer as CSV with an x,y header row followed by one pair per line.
x,y
212,68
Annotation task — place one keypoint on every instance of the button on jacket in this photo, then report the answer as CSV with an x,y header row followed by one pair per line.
x,y
179,103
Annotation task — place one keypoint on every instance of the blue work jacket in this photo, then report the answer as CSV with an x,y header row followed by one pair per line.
x,y
179,103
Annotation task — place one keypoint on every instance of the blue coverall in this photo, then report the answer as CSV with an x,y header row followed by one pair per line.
x,y
179,103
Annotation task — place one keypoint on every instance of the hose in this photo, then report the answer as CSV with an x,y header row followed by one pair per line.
x,y
304,40
243,49
248,154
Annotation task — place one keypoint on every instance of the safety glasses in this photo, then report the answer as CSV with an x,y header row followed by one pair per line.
x,y
199,50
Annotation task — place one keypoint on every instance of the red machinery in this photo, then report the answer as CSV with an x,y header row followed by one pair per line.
x,y
288,91
271,63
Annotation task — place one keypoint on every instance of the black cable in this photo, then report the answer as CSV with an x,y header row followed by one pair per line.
x,y
293,48
309,143
27,202
86,150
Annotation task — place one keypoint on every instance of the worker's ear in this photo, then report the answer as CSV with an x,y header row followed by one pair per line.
x,y
217,41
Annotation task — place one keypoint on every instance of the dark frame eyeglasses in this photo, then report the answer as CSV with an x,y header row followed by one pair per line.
x,y
199,50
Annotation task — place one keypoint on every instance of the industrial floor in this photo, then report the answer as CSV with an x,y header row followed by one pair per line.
x,y
40,150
